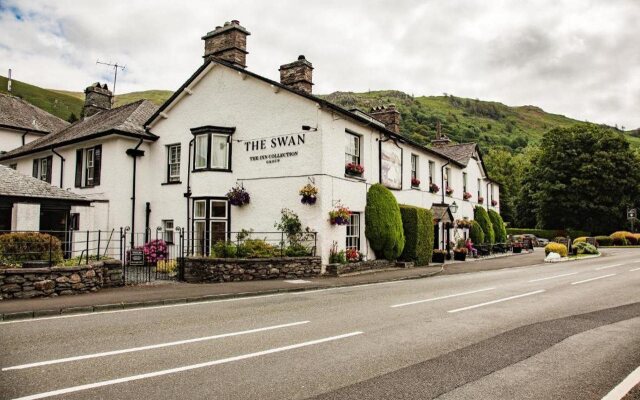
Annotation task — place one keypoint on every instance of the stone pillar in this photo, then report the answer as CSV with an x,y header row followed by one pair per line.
x,y
228,43
298,75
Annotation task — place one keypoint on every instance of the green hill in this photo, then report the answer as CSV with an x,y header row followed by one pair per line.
x,y
464,120
155,96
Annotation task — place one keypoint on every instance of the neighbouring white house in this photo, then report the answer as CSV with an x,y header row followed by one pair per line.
x,y
21,123
226,127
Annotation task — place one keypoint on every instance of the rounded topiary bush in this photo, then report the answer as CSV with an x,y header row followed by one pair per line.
x,y
556,248
475,233
481,215
619,238
418,233
581,239
383,223
499,230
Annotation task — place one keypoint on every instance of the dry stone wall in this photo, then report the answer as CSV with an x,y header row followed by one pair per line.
x,y
202,270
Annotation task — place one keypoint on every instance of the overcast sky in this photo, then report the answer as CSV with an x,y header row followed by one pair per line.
x,y
580,58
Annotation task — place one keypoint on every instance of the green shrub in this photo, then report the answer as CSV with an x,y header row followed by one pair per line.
x,y
18,247
257,248
604,240
499,230
475,233
223,249
547,233
481,215
556,248
418,232
296,250
383,223
585,248
620,238
581,239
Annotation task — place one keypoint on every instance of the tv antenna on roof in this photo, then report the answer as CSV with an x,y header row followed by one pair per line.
x,y
115,74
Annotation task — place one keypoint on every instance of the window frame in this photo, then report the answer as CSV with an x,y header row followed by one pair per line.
x,y
166,231
88,168
349,157
357,238
208,132
173,178
208,221
464,182
432,172
415,165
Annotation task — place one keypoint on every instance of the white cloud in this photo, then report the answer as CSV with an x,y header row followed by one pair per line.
x,y
578,58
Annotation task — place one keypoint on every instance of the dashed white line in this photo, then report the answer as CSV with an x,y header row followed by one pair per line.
x,y
151,347
635,269
552,277
496,301
592,279
624,387
608,266
440,298
79,388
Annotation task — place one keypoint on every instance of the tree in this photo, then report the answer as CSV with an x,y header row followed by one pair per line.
x,y
481,216
584,177
475,233
499,231
383,223
72,118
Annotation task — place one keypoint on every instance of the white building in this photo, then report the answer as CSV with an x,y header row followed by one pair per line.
x,y
227,126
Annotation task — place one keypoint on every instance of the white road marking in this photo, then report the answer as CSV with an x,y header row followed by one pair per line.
x,y
153,346
635,269
496,301
439,298
296,281
552,277
608,266
624,387
79,388
592,279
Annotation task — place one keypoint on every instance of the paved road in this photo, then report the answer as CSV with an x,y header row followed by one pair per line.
x,y
561,331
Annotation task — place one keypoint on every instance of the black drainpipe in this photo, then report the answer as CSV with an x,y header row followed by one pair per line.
x,y
147,214
187,195
135,153
61,165
23,136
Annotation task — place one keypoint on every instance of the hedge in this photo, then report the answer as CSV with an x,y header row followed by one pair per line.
x,y
18,247
383,223
475,233
556,248
482,217
499,230
547,233
417,224
604,240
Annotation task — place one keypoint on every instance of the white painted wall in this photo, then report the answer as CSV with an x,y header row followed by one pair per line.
x,y
12,139
25,217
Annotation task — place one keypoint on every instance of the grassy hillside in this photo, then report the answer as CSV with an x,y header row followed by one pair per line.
x,y
463,120
59,104
155,96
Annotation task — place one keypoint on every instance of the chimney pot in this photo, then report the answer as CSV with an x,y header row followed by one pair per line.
x,y
298,75
388,115
97,98
227,43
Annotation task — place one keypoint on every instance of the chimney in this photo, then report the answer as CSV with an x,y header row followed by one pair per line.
x,y
297,75
388,115
440,140
228,43
96,98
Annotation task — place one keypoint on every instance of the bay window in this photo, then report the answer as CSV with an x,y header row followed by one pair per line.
x,y
212,148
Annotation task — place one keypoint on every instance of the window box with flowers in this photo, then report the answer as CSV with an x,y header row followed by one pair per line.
x,y
309,194
354,169
238,196
480,199
464,223
415,183
449,191
466,196
353,255
433,188
339,216
494,203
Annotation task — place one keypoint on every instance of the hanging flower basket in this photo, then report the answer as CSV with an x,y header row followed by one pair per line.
x,y
238,196
339,216
415,182
466,196
354,169
309,194
494,203
449,191
433,188
480,199
464,223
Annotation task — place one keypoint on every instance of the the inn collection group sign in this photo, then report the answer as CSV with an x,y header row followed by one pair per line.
x,y
276,147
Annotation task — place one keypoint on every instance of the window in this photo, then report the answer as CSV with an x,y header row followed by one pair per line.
x,y
210,224
447,176
479,188
42,168
88,166
173,160
352,149
167,227
432,172
212,149
464,182
414,166
353,232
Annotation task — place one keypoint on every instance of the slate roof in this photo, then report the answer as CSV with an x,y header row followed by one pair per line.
x,y
18,114
441,213
15,184
126,120
459,152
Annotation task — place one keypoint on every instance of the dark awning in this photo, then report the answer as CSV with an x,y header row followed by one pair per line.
x,y
442,213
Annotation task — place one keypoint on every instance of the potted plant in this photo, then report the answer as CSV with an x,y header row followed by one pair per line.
x,y
494,202
353,169
466,196
309,194
433,188
460,254
339,216
517,247
238,196
415,182
353,255
449,191
480,199
438,256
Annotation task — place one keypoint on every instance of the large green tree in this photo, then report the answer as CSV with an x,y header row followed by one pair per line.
x,y
583,177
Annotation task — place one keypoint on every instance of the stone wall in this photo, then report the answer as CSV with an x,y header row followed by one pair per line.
x,y
24,283
201,269
349,268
